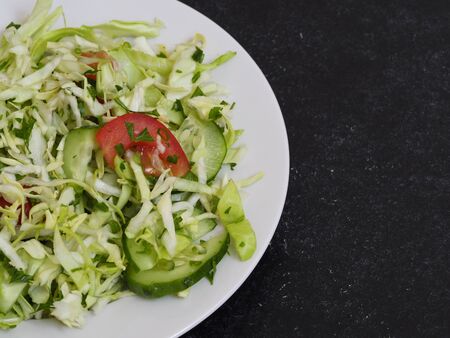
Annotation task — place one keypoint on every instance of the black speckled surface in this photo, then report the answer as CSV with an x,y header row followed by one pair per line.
x,y
362,249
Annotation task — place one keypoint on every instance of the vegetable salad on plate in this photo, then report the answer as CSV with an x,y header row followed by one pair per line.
x,y
111,152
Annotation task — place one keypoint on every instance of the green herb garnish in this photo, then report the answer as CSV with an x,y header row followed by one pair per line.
x,y
144,136
196,77
130,130
13,24
198,55
177,106
215,113
120,150
197,92
172,159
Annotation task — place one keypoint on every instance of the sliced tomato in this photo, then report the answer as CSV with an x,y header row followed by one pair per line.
x,y
96,56
27,207
155,143
4,203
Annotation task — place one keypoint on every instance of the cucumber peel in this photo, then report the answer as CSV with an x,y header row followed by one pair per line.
x,y
157,283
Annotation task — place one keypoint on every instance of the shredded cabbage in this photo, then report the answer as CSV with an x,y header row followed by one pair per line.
x,y
62,234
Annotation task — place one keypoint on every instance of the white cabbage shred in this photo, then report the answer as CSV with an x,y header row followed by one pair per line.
x,y
61,247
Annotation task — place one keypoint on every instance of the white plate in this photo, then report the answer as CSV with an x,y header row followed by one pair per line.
x,y
256,111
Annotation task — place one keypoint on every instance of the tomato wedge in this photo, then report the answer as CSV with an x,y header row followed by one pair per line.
x,y
152,140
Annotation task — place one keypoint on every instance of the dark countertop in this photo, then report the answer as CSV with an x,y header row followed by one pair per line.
x,y
362,249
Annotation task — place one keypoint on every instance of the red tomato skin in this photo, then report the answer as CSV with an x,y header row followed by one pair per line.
x,y
115,132
100,54
91,76
27,208
4,203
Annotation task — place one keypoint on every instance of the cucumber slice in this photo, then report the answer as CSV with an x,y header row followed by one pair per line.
x,y
215,145
157,283
78,152
144,257
203,227
232,215
139,255
230,208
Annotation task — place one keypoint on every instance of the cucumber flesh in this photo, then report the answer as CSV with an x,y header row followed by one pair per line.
x,y
78,148
216,147
157,283
203,227
143,256
140,255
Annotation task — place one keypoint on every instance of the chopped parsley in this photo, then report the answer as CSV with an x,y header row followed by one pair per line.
x,y
173,126
114,226
25,132
196,77
13,24
172,159
153,112
178,106
215,113
4,64
101,206
120,150
15,275
144,136
198,55
152,179
121,104
130,130
197,92
92,91
177,220
164,134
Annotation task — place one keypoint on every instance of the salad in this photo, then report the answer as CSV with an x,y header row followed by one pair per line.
x,y
111,153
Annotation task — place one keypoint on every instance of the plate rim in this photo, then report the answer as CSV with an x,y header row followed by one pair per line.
x,y
238,285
